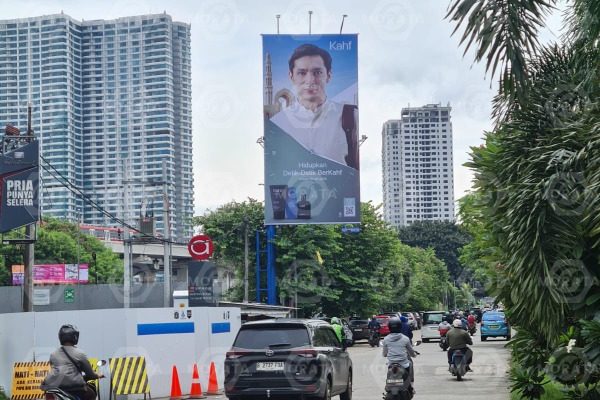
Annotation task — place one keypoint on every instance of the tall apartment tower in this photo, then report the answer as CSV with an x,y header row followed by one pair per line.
x,y
111,101
418,182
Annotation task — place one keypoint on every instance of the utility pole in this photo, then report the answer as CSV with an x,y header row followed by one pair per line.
x,y
126,241
28,257
246,262
167,237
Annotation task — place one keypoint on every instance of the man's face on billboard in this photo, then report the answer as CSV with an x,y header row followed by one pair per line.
x,y
309,77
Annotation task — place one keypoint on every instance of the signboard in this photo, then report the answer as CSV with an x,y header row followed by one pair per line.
x,y
201,277
18,274
27,378
54,274
200,247
41,297
69,295
19,187
311,129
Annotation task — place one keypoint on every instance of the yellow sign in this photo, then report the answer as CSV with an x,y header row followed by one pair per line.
x,y
128,375
27,378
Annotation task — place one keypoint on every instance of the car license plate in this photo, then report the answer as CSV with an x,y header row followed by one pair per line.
x,y
494,326
269,366
358,330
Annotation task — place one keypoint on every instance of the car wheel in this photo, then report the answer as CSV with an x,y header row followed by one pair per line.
x,y
347,395
483,338
327,395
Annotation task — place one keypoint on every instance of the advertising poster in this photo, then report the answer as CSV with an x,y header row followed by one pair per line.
x,y
201,278
19,187
53,274
311,137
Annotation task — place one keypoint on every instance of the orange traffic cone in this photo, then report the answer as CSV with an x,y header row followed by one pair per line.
x,y
196,389
175,387
213,386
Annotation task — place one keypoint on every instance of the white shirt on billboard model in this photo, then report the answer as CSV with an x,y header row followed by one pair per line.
x,y
319,131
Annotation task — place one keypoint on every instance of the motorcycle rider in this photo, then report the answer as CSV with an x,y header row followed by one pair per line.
x,y
67,365
398,349
337,327
374,326
458,339
406,329
444,327
471,320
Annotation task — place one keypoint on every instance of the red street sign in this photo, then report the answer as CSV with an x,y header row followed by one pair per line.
x,y
200,247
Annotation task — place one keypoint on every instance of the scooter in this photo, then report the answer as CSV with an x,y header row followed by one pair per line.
x,y
59,394
397,384
458,367
472,329
374,338
444,344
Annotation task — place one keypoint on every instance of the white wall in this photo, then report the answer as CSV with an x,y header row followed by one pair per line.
x,y
113,333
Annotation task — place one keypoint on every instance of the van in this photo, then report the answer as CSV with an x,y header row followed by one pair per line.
x,y
431,322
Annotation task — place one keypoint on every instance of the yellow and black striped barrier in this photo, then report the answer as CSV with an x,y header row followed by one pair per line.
x,y
27,378
128,376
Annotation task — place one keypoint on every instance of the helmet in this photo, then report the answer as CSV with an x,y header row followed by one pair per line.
x,y
68,334
403,319
461,314
457,323
335,320
395,325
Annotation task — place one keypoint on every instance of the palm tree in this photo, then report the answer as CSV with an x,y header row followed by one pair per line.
x,y
540,167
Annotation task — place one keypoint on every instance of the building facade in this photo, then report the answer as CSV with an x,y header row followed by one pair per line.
x,y
418,181
111,106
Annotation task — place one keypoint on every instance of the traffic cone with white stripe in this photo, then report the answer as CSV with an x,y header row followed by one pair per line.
x,y
196,389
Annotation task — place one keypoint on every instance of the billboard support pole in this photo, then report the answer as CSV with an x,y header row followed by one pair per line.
x,y
271,275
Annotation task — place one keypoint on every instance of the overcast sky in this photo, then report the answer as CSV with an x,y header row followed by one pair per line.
x,y
406,56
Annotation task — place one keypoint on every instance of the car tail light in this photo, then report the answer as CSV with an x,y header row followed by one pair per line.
x,y
305,353
232,355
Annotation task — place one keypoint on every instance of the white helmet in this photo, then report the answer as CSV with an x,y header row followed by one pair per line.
x,y
457,323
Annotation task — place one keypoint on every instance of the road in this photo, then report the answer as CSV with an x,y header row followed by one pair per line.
x,y
489,380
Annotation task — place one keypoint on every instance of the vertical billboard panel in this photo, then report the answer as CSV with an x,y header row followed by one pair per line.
x,y
311,129
19,187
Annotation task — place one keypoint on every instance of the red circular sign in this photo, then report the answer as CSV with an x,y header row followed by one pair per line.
x,y
200,247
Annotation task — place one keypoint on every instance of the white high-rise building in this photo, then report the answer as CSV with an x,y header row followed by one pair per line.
x,y
418,183
111,100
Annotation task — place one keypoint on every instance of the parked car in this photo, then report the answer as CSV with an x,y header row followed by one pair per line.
x,y
360,329
494,324
418,318
287,358
383,321
431,322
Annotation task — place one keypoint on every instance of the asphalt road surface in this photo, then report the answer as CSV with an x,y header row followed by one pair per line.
x,y
489,381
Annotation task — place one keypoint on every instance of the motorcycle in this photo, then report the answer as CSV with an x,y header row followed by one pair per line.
x,y
472,328
59,394
397,383
374,338
458,367
444,344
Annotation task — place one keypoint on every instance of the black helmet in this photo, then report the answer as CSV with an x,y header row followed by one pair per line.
x,y
395,325
68,334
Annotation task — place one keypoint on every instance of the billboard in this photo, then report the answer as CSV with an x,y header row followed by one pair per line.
x,y
311,135
53,274
19,187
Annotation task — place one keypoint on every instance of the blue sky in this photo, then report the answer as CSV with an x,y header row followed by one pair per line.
x,y
406,56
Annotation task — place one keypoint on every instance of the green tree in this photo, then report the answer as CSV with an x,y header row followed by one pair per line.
x,y
446,239
539,170
226,227
60,242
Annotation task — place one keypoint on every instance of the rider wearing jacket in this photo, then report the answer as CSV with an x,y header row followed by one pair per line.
x,y
458,339
337,327
67,365
398,348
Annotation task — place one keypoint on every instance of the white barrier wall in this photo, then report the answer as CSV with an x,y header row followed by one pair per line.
x,y
154,333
